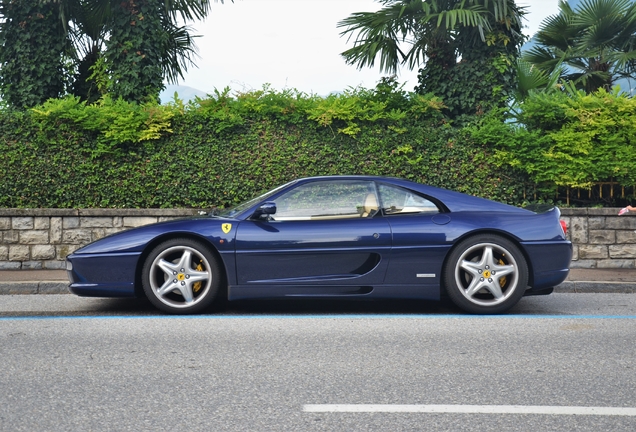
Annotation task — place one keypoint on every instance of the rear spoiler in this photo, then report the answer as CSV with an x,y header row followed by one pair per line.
x,y
542,208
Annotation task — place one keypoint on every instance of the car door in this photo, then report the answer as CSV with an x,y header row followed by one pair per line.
x,y
323,232
420,241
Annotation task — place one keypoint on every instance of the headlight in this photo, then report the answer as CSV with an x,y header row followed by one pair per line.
x,y
69,266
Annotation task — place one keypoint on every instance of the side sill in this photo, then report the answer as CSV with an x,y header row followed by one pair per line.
x,y
98,290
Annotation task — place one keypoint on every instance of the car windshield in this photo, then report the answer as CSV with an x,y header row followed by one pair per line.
x,y
233,211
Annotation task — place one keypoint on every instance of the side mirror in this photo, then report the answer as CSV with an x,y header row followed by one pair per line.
x,y
267,208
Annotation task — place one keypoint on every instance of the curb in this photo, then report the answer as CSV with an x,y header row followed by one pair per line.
x,y
567,287
34,287
595,287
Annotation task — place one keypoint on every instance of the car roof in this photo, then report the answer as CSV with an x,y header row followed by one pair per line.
x,y
454,201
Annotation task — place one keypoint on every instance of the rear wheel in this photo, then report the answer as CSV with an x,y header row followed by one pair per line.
x,y
486,274
181,276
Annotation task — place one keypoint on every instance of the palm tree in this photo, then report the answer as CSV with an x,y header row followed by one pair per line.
x,y
32,49
438,34
419,25
143,42
85,24
137,44
596,43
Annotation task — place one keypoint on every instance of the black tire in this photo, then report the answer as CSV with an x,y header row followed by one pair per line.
x,y
485,274
181,276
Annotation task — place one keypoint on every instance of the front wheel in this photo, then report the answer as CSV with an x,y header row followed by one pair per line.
x,y
486,274
181,276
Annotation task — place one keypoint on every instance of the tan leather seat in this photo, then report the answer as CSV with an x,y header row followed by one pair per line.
x,y
370,206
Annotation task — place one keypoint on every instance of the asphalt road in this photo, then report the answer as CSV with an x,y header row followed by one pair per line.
x,y
560,362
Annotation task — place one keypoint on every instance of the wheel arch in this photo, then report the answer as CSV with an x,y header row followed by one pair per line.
x,y
139,292
503,234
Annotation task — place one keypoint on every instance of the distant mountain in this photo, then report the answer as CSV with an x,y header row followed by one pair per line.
x,y
185,93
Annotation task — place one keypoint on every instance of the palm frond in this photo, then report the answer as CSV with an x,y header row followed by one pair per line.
x,y
543,57
187,9
529,77
472,17
557,31
379,34
179,52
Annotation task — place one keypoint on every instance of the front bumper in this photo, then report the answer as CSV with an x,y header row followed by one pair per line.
x,y
102,275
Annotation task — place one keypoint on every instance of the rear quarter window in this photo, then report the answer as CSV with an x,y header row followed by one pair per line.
x,y
396,201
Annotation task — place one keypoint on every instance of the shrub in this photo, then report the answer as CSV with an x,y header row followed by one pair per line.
x,y
567,138
221,150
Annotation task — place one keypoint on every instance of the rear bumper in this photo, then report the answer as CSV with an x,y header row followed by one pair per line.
x,y
550,263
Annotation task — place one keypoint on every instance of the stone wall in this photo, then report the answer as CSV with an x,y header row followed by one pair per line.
x,y
42,238
601,238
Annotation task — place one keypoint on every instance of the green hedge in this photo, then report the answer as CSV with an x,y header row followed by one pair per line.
x,y
223,150
567,138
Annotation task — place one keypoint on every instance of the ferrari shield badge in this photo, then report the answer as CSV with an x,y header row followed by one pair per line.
x,y
226,227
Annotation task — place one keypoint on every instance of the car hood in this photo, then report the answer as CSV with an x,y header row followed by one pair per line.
x,y
135,239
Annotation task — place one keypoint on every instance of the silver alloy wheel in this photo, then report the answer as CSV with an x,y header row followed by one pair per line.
x,y
486,274
180,277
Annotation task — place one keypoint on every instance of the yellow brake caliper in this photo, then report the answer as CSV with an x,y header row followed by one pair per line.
x,y
197,285
502,281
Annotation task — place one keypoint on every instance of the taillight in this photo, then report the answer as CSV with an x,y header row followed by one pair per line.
x,y
564,227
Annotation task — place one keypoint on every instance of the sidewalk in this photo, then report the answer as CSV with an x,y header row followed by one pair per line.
x,y
579,281
599,281
33,282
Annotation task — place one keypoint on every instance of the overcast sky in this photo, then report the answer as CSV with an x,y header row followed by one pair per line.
x,y
293,44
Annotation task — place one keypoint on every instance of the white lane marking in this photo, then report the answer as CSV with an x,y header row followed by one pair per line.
x,y
472,409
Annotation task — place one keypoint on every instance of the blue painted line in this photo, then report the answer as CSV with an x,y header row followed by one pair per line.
x,y
375,316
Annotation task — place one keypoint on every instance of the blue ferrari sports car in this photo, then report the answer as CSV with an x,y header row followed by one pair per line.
x,y
353,237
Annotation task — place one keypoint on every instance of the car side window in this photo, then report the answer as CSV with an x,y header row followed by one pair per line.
x,y
396,200
322,200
